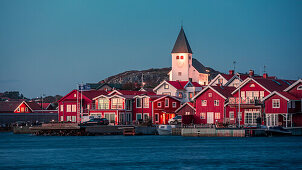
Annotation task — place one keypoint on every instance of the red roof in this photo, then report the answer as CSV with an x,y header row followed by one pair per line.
x,y
226,91
274,84
227,76
9,106
180,85
288,95
94,93
34,106
129,92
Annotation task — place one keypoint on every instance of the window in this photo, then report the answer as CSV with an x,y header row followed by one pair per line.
x,y
181,57
210,94
177,57
276,103
292,104
203,102
22,109
166,93
75,95
156,117
216,102
166,86
26,109
231,115
217,115
202,115
74,119
242,94
261,94
117,103
190,95
146,116
180,95
299,87
158,104
62,108
187,113
240,116
251,117
138,116
88,106
103,103
68,108
179,73
74,108
220,81
174,104
18,109
138,102
68,117
166,102
128,104
146,102
252,85
62,118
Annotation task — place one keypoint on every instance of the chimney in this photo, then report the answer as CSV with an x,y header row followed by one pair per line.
x,y
265,75
231,72
251,73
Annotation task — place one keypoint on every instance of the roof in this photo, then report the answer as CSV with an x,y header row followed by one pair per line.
x,y
9,106
112,85
181,44
34,105
183,105
293,85
129,92
287,96
94,93
223,91
198,66
268,84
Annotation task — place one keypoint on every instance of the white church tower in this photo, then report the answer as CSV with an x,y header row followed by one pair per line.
x,y
184,67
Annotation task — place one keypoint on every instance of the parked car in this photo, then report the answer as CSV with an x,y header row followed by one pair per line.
x,y
175,120
96,121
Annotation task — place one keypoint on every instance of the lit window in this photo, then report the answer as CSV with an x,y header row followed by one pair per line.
x,y
62,108
146,102
174,104
276,103
158,104
190,95
68,108
210,94
74,108
75,95
203,103
217,115
62,118
202,115
166,93
181,57
220,81
252,85
180,95
166,86
216,102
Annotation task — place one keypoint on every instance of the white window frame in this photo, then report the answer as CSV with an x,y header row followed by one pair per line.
x,y
73,118
74,108
138,100
217,115
203,115
174,104
145,101
68,118
62,118
275,103
68,109
299,87
26,109
216,102
210,95
233,115
158,104
167,103
147,116
137,116
204,103
62,107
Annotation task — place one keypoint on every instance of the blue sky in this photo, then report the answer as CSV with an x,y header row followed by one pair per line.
x,y
50,46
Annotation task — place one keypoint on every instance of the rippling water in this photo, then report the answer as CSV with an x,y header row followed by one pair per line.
x,y
147,152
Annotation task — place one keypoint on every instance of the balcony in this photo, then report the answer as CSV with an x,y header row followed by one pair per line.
x,y
105,106
246,100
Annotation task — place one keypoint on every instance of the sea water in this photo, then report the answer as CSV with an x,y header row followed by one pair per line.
x,y
148,152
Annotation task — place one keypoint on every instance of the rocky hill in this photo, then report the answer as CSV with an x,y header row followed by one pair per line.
x,y
152,77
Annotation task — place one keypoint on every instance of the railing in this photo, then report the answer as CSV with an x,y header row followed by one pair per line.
x,y
246,100
106,106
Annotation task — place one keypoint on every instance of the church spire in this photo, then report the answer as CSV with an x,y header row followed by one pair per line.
x,y
181,45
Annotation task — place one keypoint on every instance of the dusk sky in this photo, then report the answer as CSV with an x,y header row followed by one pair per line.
x,y
50,46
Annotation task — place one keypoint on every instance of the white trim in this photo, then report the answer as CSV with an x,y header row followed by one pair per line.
x,y
165,97
183,105
139,114
25,104
273,93
141,96
276,102
212,81
293,85
232,79
102,95
246,81
198,94
115,91
157,87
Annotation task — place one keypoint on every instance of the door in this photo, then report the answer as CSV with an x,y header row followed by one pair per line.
x,y
210,117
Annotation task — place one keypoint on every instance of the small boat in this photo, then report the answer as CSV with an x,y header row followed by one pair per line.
x,y
278,131
165,129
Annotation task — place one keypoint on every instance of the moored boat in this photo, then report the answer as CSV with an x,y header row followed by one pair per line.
x,y
165,129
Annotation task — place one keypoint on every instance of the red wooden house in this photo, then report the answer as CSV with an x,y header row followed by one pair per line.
x,y
187,111
283,108
210,105
76,104
19,107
